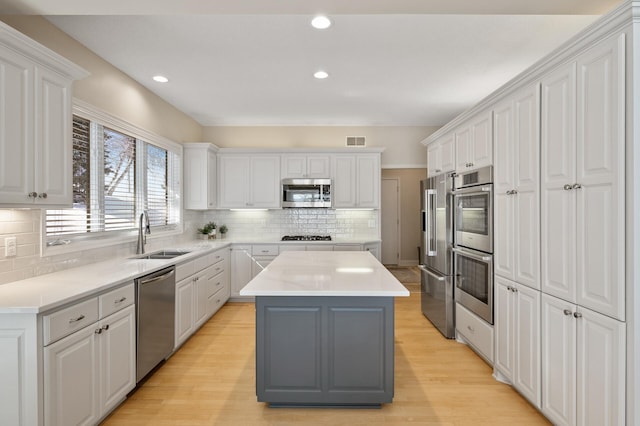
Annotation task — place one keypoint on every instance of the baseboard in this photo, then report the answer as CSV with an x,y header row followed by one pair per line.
x,y
405,262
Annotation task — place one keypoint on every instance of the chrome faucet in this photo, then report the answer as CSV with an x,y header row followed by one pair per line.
x,y
142,240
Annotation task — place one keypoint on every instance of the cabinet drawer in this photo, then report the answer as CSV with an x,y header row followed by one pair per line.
x,y
66,321
320,247
475,331
264,250
219,282
203,262
115,300
292,247
347,247
216,301
219,256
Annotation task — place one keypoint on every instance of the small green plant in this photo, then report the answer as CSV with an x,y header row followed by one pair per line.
x,y
223,229
207,228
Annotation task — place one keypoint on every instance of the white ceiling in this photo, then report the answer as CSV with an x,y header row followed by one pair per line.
x,y
393,62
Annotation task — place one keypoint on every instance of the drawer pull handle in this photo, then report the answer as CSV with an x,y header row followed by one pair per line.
x,y
122,299
72,320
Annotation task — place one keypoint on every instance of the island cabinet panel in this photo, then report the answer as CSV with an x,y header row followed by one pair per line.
x,y
324,350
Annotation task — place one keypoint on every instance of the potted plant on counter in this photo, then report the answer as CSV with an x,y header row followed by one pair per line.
x,y
223,231
207,230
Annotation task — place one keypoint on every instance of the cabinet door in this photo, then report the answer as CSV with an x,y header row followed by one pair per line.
x,y
199,178
117,357
294,166
504,184
374,249
203,288
368,181
241,272
601,369
344,181
527,343
53,143
233,176
184,310
448,153
557,170
600,174
16,134
71,380
265,182
434,152
558,331
318,166
463,149
527,183
505,327
482,142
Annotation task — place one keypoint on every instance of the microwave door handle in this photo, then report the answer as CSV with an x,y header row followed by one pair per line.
x,y
431,221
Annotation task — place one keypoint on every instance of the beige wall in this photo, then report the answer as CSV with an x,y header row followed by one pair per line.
x,y
409,180
402,144
107,87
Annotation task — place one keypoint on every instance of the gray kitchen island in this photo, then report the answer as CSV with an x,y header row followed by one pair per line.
x,y
325,329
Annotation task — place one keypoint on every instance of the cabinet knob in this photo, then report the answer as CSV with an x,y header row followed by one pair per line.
x,y
98,331
567,312
576,186
32,194
568,187
470,329
577,315
106,327
42,195
514,192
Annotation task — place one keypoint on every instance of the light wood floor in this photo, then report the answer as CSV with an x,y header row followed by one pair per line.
x,y
211,381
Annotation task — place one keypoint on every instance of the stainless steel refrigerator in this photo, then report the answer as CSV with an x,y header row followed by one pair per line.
x,y
436,263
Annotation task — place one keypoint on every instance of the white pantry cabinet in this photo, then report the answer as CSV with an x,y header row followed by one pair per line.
x,y
248,181
583,365
474,147
87,373
441,156
356,181
35,112
582,179
517,332
200,179
306,166
516,187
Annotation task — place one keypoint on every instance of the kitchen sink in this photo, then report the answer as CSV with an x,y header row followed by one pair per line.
x,y
162,254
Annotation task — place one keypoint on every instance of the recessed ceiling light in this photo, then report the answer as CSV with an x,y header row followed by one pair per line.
x,y
321,22
160,79
321,74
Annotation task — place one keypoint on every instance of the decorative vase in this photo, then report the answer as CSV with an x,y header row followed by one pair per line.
x,y
203,236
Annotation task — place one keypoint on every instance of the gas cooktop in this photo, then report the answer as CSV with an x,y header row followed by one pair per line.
x,y
306,238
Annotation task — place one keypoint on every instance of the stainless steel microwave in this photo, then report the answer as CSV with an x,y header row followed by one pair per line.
x,y
305,193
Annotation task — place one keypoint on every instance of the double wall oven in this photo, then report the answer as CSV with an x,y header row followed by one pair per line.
x,y
473,241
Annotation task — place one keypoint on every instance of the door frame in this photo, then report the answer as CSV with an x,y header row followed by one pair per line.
x,y
399,221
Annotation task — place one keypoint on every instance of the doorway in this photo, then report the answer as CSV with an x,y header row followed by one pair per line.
x,y
390,221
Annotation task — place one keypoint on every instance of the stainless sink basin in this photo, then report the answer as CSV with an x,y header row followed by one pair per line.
x,y
162,254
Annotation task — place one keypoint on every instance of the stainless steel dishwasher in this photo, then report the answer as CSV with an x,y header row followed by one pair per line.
x,y
155,319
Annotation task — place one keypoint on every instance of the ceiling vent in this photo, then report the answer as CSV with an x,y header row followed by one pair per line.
x,y
355,141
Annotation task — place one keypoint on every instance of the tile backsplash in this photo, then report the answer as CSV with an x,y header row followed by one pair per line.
x,y
24,224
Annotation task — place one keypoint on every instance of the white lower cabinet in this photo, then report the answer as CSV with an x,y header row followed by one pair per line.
x,y
241,269
517,333
583,365
202,287
475,332
88,372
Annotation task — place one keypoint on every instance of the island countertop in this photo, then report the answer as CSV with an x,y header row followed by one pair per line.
x,y
325,273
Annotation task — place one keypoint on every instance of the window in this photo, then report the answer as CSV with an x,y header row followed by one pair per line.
x,y
117,174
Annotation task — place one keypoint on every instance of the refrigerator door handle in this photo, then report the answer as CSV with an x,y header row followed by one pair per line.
x,y
437,277
431,222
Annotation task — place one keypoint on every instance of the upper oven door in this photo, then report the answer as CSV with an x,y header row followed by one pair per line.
x,y
474,217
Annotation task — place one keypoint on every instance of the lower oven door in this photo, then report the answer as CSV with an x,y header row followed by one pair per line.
x,y
474,282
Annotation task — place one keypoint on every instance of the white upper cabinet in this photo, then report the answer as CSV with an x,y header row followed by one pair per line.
x,y
356,181
200,178
441,156
306,166
516,180
35,112
248,181
474,143
582,175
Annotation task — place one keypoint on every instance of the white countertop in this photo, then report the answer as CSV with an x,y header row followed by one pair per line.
x,y
46,292
322,273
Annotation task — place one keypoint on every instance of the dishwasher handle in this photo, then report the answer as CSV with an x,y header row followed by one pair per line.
x,y
144,281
